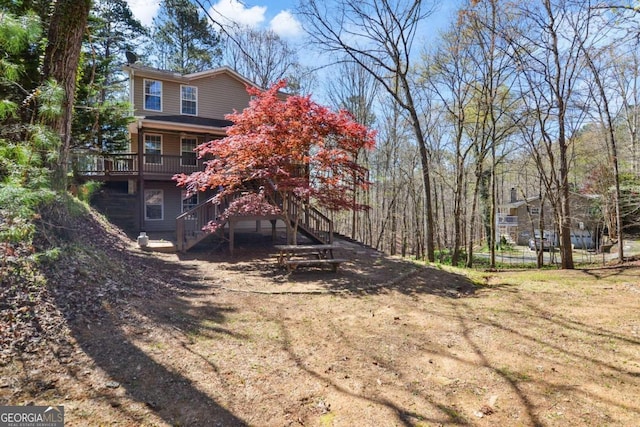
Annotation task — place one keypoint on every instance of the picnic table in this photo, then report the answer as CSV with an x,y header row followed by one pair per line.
x,y
293,256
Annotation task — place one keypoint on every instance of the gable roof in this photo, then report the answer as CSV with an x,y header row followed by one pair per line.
x,y
528,200
166,75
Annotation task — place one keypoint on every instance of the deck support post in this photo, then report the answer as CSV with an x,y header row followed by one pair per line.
x,y
232,226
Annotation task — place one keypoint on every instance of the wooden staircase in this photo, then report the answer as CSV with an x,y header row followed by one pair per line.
x,y
190,224
304,218
310,221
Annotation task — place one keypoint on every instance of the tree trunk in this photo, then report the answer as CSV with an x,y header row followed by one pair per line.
x,y
445,232
474,206
426,176
565,206
613,145
457,214
66,28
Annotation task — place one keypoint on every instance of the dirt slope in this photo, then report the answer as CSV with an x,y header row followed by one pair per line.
x,y
120,336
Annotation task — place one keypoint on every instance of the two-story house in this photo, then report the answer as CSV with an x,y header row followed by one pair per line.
x,y
173,114
519,220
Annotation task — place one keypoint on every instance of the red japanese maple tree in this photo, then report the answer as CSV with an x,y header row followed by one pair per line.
x,y
282,145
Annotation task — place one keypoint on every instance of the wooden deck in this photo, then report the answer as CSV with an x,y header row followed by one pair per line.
x,y
129,165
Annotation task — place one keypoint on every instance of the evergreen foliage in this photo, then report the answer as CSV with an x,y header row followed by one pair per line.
x,y
19,50
183,40
102,109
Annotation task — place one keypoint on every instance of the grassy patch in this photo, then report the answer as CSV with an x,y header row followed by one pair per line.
x,y
513,376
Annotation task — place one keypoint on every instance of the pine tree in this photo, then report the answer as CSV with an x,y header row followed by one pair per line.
x,y
183,40
102,108
20,31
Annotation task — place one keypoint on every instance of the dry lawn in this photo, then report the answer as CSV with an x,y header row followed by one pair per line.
x,y
215,341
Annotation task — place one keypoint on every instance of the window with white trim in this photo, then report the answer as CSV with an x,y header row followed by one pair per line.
x,y
189,100
187,153
152,149
534,210
152,95
153,205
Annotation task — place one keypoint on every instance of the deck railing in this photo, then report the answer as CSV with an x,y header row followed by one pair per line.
x,y
127,164
190,225
309,218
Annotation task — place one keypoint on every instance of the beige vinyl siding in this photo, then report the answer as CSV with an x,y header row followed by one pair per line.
x,y
171,209
171,98
138,96
218,95
170,142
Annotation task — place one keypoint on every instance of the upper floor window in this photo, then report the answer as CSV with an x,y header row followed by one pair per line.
x,y
152,95
189,100
534,210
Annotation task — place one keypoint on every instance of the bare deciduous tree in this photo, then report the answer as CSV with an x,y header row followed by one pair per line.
x,y
354,90
261,56
545,40
379,36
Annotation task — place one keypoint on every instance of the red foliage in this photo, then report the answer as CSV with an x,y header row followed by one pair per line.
x,y
286,144
248,204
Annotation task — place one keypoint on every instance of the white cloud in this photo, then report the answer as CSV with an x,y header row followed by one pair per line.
x,y
232,11
144,10
285,25
228,11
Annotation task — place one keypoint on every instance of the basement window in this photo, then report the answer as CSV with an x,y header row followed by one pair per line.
x,y
154,205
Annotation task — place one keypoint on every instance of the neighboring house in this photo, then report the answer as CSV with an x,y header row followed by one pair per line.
x,y
519,220
173,114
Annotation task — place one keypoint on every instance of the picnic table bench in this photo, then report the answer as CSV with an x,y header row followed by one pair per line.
x,y
292,256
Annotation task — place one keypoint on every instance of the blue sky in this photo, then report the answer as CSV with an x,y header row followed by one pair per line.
x,y
274,14
277,15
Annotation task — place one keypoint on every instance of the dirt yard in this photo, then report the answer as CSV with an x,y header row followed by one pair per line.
x,y
205,340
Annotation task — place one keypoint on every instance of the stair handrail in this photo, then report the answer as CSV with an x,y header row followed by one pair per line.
x,y
203,213
298,210
312,219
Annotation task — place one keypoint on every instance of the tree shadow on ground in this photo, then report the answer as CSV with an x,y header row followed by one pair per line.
x,y
604,272
365,272
554,353
405,416
108,292
565,337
